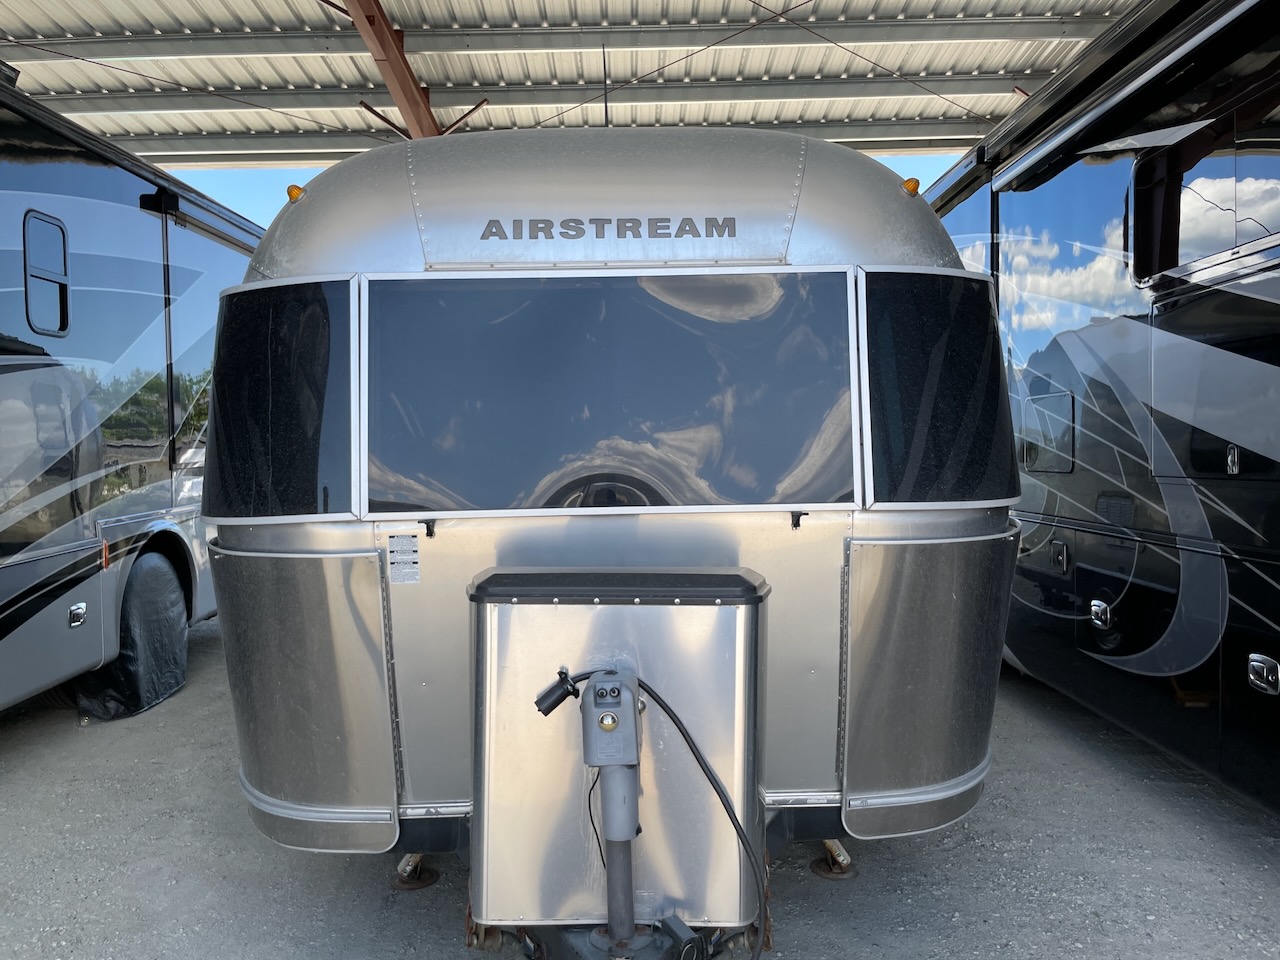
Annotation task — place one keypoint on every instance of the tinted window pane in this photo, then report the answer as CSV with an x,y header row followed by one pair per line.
x,y
46,246
562,392
1048,433
940,422
1207,207
47,305
280,430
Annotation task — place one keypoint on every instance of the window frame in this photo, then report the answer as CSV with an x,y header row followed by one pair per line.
x,y
859,481
61,280
864,392
354,303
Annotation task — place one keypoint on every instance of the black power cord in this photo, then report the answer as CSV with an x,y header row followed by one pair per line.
x,y
591,815
566,685
757,868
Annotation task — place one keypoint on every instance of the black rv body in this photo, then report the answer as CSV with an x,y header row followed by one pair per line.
x,y
1131,215
109,277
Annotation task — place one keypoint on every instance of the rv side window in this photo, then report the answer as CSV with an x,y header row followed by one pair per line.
x,y
1048,432
280,420
940,428
48,293
1215,190
565,392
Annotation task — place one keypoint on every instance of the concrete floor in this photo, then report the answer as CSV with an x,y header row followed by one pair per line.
x,y
130,840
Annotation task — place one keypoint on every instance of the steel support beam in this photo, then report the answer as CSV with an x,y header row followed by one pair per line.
x,y
523,40
386,45
549,95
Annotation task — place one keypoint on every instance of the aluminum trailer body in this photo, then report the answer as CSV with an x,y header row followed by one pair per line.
x,y
594,357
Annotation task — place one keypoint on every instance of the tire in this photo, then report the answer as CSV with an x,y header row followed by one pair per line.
x,y
152,663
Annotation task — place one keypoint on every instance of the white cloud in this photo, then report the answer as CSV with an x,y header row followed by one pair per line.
x,y
1041,248
1039,294
1218,213
974,256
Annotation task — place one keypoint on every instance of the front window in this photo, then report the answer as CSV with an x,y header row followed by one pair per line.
x,y
561,392
940,425
280,421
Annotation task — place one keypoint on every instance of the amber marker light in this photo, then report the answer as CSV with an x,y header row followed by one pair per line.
x,y
294,191
106,554
911,185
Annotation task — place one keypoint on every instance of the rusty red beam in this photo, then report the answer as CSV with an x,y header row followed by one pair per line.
x,y
387,46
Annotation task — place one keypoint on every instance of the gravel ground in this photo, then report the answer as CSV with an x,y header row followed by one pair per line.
x,y
130,840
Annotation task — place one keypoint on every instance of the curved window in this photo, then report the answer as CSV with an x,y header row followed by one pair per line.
x,y
280,421
940,425
561,392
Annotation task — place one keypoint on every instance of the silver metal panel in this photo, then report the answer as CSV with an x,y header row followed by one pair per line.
x,y
926,628
532,786
412,206
44,648
874,222
430,622
430,619
369,197
311,697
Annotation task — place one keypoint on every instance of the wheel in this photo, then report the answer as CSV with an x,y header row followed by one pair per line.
x,y
152,663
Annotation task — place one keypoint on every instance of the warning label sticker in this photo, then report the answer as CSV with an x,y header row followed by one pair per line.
x,y
403,549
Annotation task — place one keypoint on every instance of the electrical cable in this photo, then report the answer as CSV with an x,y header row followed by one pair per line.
x,y
782,16
568,681
591,815
757,868
672,63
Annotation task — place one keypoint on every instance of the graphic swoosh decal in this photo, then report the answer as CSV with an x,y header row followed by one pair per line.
x,y
1200,616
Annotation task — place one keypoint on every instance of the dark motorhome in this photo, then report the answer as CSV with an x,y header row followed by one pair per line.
x,y
109,278
1131,216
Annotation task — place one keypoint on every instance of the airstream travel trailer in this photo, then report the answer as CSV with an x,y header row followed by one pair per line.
x,y
109,284
1131,214
708,427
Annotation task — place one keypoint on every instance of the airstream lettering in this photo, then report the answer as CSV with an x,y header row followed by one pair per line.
x,y
636,228
740,483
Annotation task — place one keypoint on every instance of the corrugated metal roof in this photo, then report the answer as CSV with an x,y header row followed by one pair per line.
x,y
239,81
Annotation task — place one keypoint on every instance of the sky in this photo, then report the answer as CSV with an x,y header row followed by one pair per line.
x,y
259,192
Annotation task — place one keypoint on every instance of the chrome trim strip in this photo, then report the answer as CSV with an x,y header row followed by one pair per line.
x,y
864,394
640,268
297,555
423,811
29,555
1012,170
310,813
856,402
930,794
942,504
360,402
175,515
787,798
529,512
286,282
285,518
